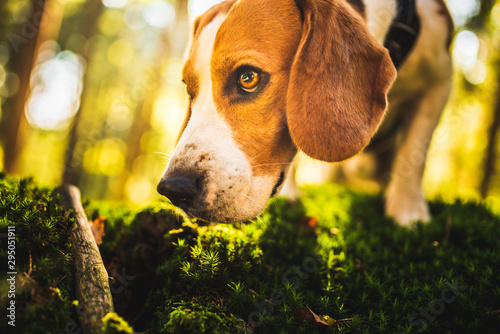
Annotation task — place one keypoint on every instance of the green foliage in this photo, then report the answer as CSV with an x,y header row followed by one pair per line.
x,y
114,324
194,318
44,279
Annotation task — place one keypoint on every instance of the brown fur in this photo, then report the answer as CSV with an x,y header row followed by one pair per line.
x,y
188,74
443,11
338,82
268,40
338,88
202,21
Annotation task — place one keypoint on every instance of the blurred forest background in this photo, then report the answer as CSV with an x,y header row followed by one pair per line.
x,y
91,94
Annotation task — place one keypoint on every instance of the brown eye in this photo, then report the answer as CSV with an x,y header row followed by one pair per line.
x,y
249,81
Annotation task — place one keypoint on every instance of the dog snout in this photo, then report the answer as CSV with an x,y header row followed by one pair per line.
x,y
181,190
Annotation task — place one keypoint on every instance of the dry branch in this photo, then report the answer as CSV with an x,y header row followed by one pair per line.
x,y
91,279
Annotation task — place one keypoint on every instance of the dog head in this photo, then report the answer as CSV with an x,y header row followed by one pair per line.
x,y
266,77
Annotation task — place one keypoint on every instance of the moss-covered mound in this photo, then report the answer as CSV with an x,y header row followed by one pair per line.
x,y
329,264
35,254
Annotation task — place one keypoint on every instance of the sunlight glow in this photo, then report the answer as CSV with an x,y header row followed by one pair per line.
x,y
133,17
106,158
56,89
120,118
168,113
138,189
461,10
115,3
159,14
311,171
198,7
10,85
465,49
477,74
120,53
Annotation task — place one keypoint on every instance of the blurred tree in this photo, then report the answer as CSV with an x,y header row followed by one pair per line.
x,y
480,23
4,19
43,25
493,138
153,84
74,156
23,44
481,19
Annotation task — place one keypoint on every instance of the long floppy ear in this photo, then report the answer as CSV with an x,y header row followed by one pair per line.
x,y
337,95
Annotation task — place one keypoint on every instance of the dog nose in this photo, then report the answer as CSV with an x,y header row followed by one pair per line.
x,y
180,190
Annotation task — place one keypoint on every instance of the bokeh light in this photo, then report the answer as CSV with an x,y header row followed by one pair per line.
x,y
134,17
115,3
159,14
120,53
461,10
55,97
10,85
465,49
198,7
106,158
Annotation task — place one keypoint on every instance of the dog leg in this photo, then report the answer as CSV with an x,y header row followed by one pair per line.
x,y
290,189
405,201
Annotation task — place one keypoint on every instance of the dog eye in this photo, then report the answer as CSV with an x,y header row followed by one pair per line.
x,y
249,80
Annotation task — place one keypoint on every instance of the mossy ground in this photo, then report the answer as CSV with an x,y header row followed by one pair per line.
x,y
42,256
329,264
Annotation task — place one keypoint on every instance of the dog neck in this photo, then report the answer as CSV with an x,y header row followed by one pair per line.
x,y
378,15
394,24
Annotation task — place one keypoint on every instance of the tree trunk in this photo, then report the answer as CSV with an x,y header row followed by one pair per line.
x,y
73,157
24,49
152,85
491,149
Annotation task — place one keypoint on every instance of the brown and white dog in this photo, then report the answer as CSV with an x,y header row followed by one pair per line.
x,y
268,77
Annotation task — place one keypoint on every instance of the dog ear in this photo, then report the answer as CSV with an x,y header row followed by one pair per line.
x,y
337,95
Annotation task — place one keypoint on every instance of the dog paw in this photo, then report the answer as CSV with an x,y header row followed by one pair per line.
x,y
406,205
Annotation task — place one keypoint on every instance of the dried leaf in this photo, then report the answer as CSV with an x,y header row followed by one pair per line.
x,y
308,223
360,266
253,292
306,314
97,228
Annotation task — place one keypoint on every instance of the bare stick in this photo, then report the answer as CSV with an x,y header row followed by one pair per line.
x,y
91,279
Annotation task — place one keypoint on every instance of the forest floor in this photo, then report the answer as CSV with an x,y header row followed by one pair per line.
x,y
331,263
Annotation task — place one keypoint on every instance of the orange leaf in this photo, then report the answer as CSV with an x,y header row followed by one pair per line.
x,y
97,227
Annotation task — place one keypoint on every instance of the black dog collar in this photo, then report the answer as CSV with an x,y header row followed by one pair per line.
x,y
403,32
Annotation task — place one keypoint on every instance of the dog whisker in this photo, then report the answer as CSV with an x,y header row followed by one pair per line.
x,y
164,154
272,164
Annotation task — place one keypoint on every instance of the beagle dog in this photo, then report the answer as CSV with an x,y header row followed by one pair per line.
x,y
266,78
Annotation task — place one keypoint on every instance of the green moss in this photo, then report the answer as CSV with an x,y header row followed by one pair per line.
x,y
354,267
197,319
333,252
42,256
114,324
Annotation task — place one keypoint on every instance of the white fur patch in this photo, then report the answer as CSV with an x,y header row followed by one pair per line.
x,y
206,126
228,191
379,17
